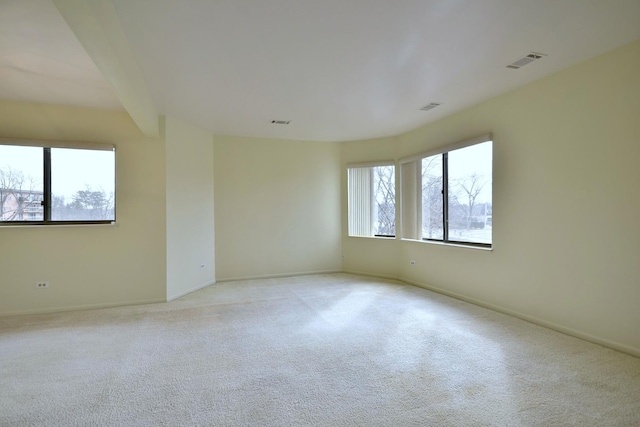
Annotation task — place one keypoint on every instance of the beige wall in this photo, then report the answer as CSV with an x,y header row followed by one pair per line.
x,y
190,233
363,255
88,265
566,230
277,207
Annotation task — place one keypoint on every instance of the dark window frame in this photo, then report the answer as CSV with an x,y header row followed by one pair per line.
x,y
46,189
372,166
416,235
445,207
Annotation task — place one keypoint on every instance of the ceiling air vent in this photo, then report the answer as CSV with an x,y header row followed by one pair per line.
x,y
430,106
280,122
526,60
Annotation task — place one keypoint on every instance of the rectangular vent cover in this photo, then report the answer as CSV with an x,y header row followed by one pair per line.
x,y
533,56
430,106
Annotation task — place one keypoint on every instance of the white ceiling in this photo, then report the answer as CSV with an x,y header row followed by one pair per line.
x,y
338,69
42,61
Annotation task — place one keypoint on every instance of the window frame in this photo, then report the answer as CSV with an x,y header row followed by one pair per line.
x,y
444,152
395,186
46,146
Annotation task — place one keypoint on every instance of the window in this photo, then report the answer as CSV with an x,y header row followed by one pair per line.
x,y
50,183
447,196
372,200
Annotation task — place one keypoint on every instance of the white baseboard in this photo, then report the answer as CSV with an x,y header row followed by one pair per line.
x,y
275,276
532,319
80,307
554,326
195,288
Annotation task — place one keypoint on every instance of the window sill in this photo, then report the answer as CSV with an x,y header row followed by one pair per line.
x,y
57,225
372,237
456,245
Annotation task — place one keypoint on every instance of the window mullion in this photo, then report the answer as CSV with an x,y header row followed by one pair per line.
x,y
47,183
372,203
445,197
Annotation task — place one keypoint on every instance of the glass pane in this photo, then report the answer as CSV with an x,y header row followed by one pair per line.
x,y
21,183
82,185
470,192
384,185
432,198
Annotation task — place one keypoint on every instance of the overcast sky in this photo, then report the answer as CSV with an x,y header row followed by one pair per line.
x,y
71,169
474,159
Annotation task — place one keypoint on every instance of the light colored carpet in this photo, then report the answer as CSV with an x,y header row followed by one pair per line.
x,y
324,350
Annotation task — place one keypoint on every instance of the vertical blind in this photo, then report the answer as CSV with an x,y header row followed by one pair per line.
x,y
360,201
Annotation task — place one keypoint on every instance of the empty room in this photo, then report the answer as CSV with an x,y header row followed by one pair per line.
x,y
281,212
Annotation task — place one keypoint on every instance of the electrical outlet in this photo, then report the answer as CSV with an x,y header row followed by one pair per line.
x,y
412,262
42,285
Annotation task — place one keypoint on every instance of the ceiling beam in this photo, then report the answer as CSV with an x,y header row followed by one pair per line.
x,y
96,25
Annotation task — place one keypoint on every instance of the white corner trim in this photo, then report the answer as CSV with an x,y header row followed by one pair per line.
x,y
183,293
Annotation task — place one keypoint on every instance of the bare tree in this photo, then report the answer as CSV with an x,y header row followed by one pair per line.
x,y
90,205
21,199
18,193
471,186
432,197
385,191
109,206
